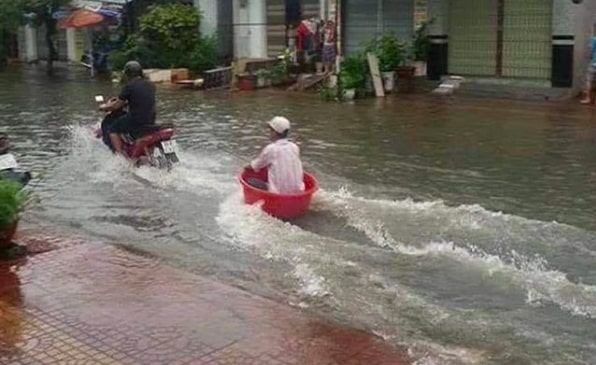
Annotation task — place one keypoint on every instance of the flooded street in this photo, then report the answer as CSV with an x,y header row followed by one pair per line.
x,y
460,229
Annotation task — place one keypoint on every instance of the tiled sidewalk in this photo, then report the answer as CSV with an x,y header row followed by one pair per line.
x,y
90,303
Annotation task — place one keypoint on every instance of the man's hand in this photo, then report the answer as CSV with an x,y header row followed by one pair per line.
x,y
112,105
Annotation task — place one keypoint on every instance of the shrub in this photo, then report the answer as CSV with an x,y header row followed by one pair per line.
x,y
390,51
353,71
12,201
204,55
168,36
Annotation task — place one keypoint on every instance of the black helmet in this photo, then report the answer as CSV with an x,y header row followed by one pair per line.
x,y
133,69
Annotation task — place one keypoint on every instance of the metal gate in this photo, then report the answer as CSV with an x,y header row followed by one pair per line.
x,y
473,37
527,45
366,19
509,38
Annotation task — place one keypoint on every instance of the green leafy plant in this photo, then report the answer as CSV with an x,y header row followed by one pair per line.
x,y
168,36
327,93
353,71
174,26
13,201
204,55
390,51
281,71
10,18
421,42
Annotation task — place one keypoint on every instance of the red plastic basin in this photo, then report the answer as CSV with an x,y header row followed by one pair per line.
x,y
285,206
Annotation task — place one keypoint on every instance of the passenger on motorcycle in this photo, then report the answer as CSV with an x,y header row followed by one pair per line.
x,y
139,95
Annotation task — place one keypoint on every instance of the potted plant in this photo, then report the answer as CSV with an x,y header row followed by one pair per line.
x,y
391,53
12,202
420,45
406,71
263,78
280,73
352,76
405,76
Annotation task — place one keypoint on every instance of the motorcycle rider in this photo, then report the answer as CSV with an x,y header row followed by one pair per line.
x,y
139,95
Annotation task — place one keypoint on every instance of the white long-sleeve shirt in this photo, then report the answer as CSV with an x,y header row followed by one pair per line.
x,y
285,174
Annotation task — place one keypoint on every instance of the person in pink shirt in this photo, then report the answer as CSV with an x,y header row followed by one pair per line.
x,y
282,160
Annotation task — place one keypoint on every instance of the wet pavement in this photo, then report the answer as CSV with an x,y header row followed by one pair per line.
x,y
90,303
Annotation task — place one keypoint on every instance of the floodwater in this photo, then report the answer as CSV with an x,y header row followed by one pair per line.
x,y
460,229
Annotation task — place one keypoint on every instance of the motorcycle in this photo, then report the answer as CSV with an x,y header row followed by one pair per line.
x,y
9,167
154,145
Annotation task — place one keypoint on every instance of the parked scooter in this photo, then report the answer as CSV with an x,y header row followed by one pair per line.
x,y
9,167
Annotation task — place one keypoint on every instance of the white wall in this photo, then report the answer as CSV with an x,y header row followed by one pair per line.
x,y
31,54
209,21
250,29
71,45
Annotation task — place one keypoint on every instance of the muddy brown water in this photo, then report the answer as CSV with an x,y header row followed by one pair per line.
x,y
462,229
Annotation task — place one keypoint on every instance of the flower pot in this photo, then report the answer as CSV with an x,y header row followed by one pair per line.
x,y
405,76
319,66
420,68
406,72
332,81
349,94
260,82
247,82
388,80
7,234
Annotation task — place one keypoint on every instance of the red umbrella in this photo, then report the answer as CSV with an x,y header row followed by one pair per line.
x,y
81,19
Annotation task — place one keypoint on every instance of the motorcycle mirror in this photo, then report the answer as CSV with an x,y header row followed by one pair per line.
x,y
99,98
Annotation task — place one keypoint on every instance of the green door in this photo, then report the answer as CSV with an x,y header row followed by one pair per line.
x,y
521,48
527,29
473,37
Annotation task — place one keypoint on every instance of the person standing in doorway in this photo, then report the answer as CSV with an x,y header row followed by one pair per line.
x,y
591,75
329,52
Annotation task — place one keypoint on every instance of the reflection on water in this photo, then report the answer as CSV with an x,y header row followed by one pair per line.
x,y
462,229
11,318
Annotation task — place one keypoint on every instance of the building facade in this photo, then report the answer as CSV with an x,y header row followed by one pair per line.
x,y
218,21
364,20
540,40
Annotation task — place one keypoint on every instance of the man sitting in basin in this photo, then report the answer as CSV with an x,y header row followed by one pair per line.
x,y
282,160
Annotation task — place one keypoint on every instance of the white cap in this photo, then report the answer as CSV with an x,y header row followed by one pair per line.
x,y
279,124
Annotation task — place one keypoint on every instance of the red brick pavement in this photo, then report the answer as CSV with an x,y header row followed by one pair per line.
x,y
89,303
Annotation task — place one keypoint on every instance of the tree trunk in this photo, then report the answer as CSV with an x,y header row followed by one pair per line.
x,y
52,53
3,49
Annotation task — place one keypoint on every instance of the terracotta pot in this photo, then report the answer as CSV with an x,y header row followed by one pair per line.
x,y
247,83
7,234
405,77
406,72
